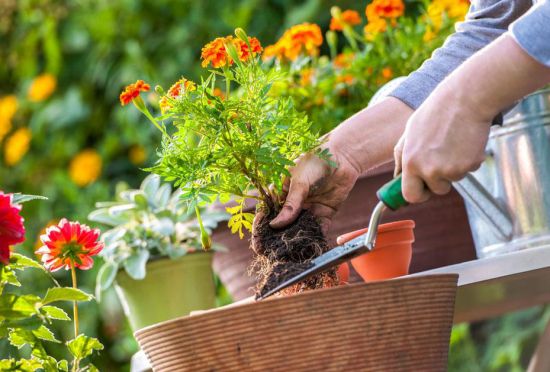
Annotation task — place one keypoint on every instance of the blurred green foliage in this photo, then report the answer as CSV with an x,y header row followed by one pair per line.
x,y
96,47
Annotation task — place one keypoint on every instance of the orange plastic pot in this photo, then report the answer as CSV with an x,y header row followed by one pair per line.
x,y
343,273
391,256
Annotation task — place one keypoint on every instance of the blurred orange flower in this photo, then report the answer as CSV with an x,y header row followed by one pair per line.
x,y
85,167
304,38
306,76
385,9
347,79
217,92
348,17
387,73
17,146
137,154
343,60
132,91
42,87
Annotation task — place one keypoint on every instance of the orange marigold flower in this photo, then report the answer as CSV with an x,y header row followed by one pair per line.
x,y
69,244
217,92
306,76
303,38
343,60
243,50
385,9
387,73
347,79
374,27
132,91
181,86
214,53
42,87
348,17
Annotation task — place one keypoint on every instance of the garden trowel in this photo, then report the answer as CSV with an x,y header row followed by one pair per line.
x,y
389,196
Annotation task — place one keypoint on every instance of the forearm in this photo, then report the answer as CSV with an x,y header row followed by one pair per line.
x,y
496,77
487,20
367,138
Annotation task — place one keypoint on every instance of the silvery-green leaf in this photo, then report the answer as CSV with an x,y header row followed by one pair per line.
x,y
175,251
105,277
21,198
113,235
135,264
163,226
103,216
150,185
121,208
163,195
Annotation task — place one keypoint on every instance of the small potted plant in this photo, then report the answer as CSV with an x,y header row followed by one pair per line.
x,y
153,253
237,146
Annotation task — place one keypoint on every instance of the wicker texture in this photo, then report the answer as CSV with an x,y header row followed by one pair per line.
x,y
396,325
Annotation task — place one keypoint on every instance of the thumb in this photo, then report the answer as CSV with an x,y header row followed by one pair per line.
x,y
398,155
292,207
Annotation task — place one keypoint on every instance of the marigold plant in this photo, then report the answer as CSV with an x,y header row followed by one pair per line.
x,y
233,145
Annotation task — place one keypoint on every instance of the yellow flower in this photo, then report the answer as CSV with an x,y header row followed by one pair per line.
x,y
8,107
137,154
42,87
85,167
17,146
429,35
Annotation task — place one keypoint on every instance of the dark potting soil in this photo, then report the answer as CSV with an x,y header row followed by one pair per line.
x,y
282,253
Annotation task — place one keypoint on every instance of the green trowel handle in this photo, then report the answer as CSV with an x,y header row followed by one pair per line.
x,y
391,194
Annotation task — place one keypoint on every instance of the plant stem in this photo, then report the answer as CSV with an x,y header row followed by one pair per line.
x,y
75,315
75,306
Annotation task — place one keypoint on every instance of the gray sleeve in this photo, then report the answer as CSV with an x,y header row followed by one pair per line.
x,y
486,20
532,32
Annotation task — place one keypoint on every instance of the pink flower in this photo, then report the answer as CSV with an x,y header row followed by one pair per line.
x,y
69,243
12,230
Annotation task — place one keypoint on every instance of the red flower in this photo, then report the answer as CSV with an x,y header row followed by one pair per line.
x,y
244,52
69,243
12,230
132,91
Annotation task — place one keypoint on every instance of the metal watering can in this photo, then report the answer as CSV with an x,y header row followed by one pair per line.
x,y
508,198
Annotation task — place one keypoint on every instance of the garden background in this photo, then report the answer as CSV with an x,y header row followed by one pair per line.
x,y
64,135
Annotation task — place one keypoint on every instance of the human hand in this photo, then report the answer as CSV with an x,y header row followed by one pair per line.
x,y
364,141
446,137
316,186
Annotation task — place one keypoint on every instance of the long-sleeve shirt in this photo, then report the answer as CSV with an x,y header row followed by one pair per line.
x,y
486,20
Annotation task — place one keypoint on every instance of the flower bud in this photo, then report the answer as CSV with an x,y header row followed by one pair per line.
x,y
232,51
206,241
239,32
336,12
159,90
332,40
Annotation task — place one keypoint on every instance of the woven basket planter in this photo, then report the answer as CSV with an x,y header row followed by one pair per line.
x,y
396,325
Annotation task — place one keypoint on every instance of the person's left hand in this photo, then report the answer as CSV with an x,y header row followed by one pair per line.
x,y
444,139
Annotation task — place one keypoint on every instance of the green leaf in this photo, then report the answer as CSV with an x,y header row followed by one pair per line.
x,y
63,365
54,312
65,294
18,307
28,324
20,365
83,346
20,262
21,198
135,264
105,277
45,334
20,337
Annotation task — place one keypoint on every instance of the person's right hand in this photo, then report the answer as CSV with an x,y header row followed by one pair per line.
x,y
362,142
316,186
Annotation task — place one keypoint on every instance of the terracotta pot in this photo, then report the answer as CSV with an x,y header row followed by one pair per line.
x,y
394,325
391,256
440,216
343,273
